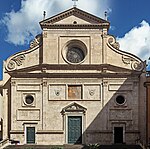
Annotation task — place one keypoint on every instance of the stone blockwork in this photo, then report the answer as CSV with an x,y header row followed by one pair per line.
x,y
73,85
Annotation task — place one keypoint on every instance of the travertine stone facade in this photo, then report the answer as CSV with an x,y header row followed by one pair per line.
x,y
74,85
147,85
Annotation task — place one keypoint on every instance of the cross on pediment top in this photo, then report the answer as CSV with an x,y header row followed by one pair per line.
x,y
75,3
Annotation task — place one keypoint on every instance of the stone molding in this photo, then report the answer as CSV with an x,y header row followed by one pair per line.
x,y
121,114
74,107
50,132
76,12
17,60
77,26
28,114
36,41
127,58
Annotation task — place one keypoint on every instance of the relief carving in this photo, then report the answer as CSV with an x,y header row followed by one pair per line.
x,y
45,35
105,83
11,65
19,58
13,83
36,41
135,65
126,60
74,108
92,92
16,61
113,43
57,92
116,45
44,84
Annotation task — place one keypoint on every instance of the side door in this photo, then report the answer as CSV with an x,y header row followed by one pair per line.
x,y
30,135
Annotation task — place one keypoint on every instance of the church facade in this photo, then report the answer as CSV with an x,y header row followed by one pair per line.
x,y
73,86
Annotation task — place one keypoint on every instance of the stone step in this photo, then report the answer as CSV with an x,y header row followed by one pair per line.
x,y
71,147
34,147
120,147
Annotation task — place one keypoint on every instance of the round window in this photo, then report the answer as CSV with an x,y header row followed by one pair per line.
x,y
74,52
75,55
120,100
29,99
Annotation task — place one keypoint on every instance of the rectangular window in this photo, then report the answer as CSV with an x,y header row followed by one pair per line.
x,y
74,91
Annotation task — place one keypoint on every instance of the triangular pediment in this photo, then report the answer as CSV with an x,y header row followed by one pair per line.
x,y
74,107
74,16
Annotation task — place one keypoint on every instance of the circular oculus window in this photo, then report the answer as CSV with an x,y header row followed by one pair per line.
x,y
120,100
74,52
75,55
29,99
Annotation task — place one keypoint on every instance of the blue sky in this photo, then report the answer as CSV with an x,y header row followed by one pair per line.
x,y
19,22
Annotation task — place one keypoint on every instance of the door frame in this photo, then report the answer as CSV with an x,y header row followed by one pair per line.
x,y
72,118
118,139
123,125
66,125
25,132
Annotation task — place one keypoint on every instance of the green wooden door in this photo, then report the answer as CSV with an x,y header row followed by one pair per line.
x,y
30,135
74,129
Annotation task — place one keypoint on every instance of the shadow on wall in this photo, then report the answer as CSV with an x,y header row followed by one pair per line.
x,y
118,119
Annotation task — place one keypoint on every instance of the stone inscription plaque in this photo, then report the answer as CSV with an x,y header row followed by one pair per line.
x,y
28,87
120,87
120,114
28,115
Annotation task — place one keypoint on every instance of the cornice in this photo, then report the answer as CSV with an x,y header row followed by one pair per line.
x,y
73,75
75,26
98,67
76,12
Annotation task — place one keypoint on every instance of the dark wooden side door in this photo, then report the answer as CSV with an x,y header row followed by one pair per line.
x,y
74,129
118,135
30,135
